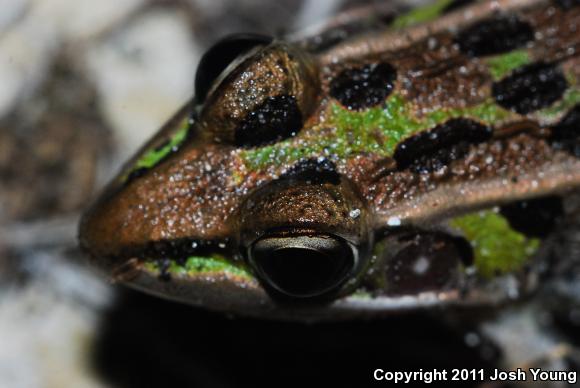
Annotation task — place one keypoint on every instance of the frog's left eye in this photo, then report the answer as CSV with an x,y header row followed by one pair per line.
x,y
220,56
303,266
261,98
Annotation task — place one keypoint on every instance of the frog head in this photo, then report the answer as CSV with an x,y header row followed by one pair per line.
x,y
307,185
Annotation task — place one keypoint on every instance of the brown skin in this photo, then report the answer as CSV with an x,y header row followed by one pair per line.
x,y
392,40
322,207
523,166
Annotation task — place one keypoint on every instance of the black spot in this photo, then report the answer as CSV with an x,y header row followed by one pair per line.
x,y
162,145
363,87
567,4
183,247
465,250
219,56
137,173
566,134
316,170
534,217
530,88
385,19
164,265
178,250
276,119
494,36
191,127
431,150
427,262
456,4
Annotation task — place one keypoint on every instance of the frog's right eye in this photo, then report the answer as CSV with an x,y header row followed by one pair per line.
x,y
220,56
260,98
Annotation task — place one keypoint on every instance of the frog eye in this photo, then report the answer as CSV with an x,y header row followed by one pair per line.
x,y
264,97
220,56
303,237
303,266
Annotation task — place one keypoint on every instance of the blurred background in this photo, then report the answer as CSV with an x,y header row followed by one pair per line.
x,y
82,85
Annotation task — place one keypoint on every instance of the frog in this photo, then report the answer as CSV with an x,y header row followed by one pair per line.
x,y
385,163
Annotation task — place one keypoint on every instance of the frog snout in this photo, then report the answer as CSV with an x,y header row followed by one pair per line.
x,y
303,266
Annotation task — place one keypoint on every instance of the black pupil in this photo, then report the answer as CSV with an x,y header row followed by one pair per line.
x,y
303,271
219,56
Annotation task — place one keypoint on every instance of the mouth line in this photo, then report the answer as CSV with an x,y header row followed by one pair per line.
x,y
177,249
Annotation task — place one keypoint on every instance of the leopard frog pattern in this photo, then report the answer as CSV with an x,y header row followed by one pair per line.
x,y
383,163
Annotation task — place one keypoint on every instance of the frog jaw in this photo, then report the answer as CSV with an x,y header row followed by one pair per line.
x,y
242,294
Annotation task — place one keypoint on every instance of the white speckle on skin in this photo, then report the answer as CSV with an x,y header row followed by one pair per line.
x,y
469,271
421,266
394,221
354,213
432,43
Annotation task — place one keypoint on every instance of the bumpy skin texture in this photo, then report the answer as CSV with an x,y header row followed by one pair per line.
x,y
323,207
404,84
277,70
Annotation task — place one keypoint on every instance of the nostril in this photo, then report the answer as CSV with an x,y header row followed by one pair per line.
x,y
303,266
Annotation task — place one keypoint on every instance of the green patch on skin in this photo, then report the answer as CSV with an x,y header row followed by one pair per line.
x,y
197,265
421,14
376,130
151,157
501,65
498,249
361,294
237,178
570,99
357,131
